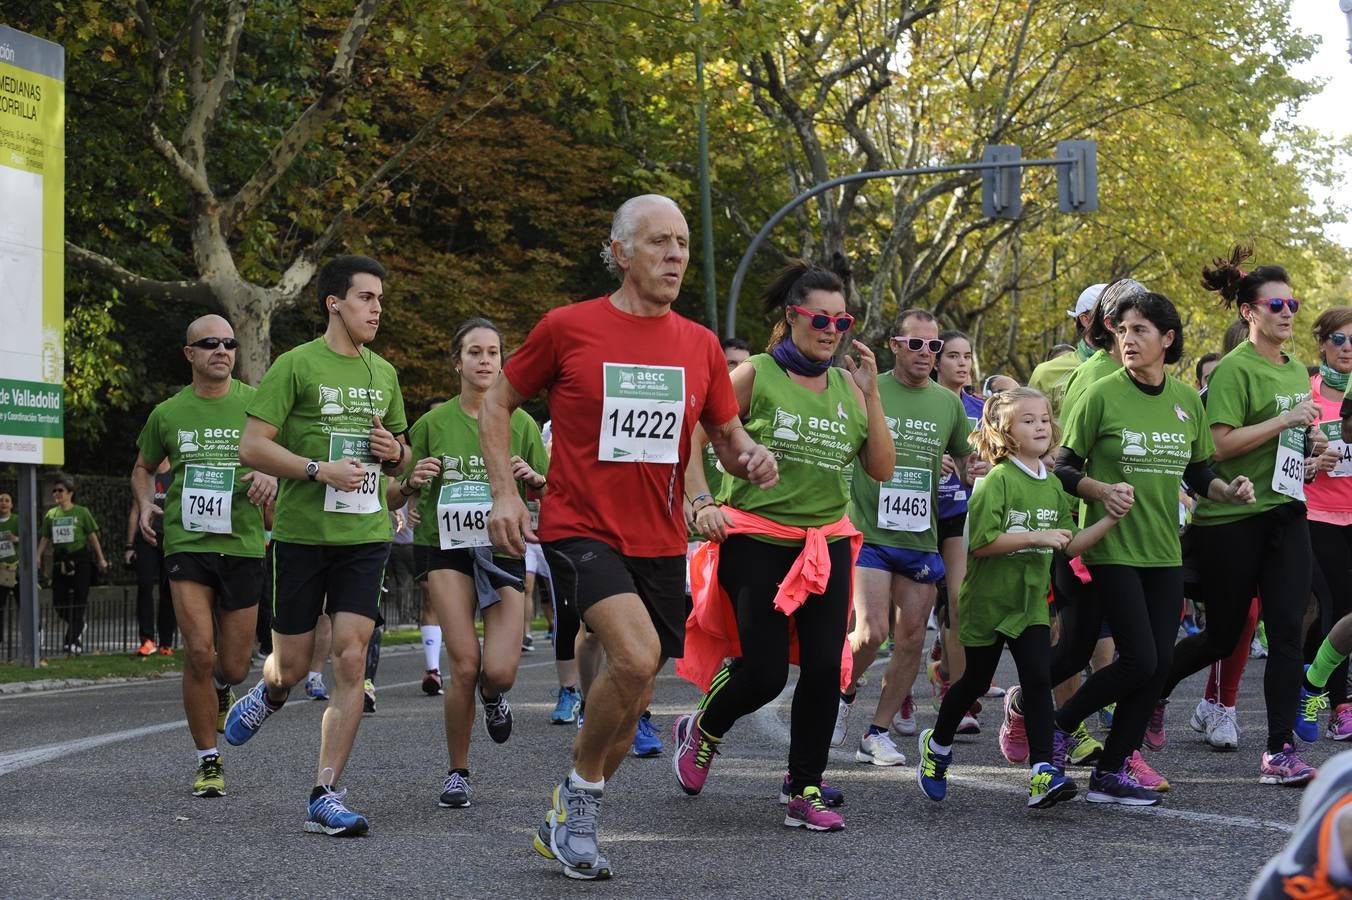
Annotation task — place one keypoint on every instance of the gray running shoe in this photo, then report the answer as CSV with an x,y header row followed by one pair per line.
x,y
572,832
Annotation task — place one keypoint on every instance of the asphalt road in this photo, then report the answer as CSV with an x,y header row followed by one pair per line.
x,y
95,801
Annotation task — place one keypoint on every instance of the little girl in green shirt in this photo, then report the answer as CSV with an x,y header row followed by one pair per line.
x,y
1017,516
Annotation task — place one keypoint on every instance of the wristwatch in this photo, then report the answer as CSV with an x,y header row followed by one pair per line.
x,y
312,469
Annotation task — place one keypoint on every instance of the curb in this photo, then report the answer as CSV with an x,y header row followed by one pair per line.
x,y
56,684
52,684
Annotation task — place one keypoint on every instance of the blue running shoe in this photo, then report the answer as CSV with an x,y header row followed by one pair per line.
x,y
1048,786
831,796
646,742
1307,713
248,715
565,710
932,772
329,816
314,688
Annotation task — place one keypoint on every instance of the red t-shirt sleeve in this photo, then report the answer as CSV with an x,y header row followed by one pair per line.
x,y
535,365
721,404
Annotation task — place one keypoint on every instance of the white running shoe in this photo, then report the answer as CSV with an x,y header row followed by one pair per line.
x,y
969,724
842,724
879,750
904,721
1201,716
1257,650
1223,730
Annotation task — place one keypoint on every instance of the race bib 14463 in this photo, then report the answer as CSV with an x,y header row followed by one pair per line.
x,y
904,500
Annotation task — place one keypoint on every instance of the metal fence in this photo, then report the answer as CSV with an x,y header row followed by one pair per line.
x,y
111,622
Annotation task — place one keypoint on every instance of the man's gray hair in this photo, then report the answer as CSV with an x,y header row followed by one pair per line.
x,y
622,229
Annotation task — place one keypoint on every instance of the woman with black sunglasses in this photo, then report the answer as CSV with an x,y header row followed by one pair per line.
x,y
1260,413
783,556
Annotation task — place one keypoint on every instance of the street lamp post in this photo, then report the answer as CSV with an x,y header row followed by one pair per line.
x,y
1346,7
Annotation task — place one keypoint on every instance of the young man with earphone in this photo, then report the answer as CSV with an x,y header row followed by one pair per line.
x,y
328,420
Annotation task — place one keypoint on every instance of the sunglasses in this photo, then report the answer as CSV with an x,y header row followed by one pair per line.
x,y
56,491
1337,339
915,344
211,343
1275,304
819,321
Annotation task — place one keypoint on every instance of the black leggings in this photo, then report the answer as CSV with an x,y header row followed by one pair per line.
x,y
566,622
1032,657
1267,555
1081,615
1143,606
1332,545
150,575
71,578
750,571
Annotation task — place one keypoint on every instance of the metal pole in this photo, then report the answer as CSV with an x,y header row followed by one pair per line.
x,y
706,206
730,325
1346,7
30,651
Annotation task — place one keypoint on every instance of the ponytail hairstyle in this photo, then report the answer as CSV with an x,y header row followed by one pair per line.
x,y
790,288
458,342
1233,285
993,437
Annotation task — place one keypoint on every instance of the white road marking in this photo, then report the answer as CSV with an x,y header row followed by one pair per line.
x,y
768,721
32,756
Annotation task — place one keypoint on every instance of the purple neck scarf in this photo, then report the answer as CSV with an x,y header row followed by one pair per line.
x,y
787,354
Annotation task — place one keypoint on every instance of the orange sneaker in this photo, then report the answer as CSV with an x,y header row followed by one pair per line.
x,y
166,651
147,648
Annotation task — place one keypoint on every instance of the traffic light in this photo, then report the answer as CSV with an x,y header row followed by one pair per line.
x,y
1001,189
1077,183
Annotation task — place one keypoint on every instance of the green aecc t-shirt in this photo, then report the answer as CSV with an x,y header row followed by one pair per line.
x,y
1253,389
1125,434
321,403
460,492
926,422
207,509
1007,594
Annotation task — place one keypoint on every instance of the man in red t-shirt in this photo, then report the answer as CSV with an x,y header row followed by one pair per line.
x,y
627,379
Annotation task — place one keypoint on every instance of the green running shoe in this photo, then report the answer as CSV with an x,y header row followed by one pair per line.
x,y
1086,748
210,778
225,698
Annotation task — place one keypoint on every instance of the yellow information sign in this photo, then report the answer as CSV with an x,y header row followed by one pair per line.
x,y
32,247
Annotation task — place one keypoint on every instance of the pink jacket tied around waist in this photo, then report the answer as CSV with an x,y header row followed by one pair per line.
x,y
711,629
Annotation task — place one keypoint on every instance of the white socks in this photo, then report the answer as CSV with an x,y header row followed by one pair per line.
x,y
203,754
431,641
579,781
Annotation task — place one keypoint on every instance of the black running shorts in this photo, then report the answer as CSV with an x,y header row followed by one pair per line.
x,y
308,580
237,580
587,571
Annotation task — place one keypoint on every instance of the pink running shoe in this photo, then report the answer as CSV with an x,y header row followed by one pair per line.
x,y
1145,776
1013,736
1154,732
1340,723
808,810
1285,767
694,754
